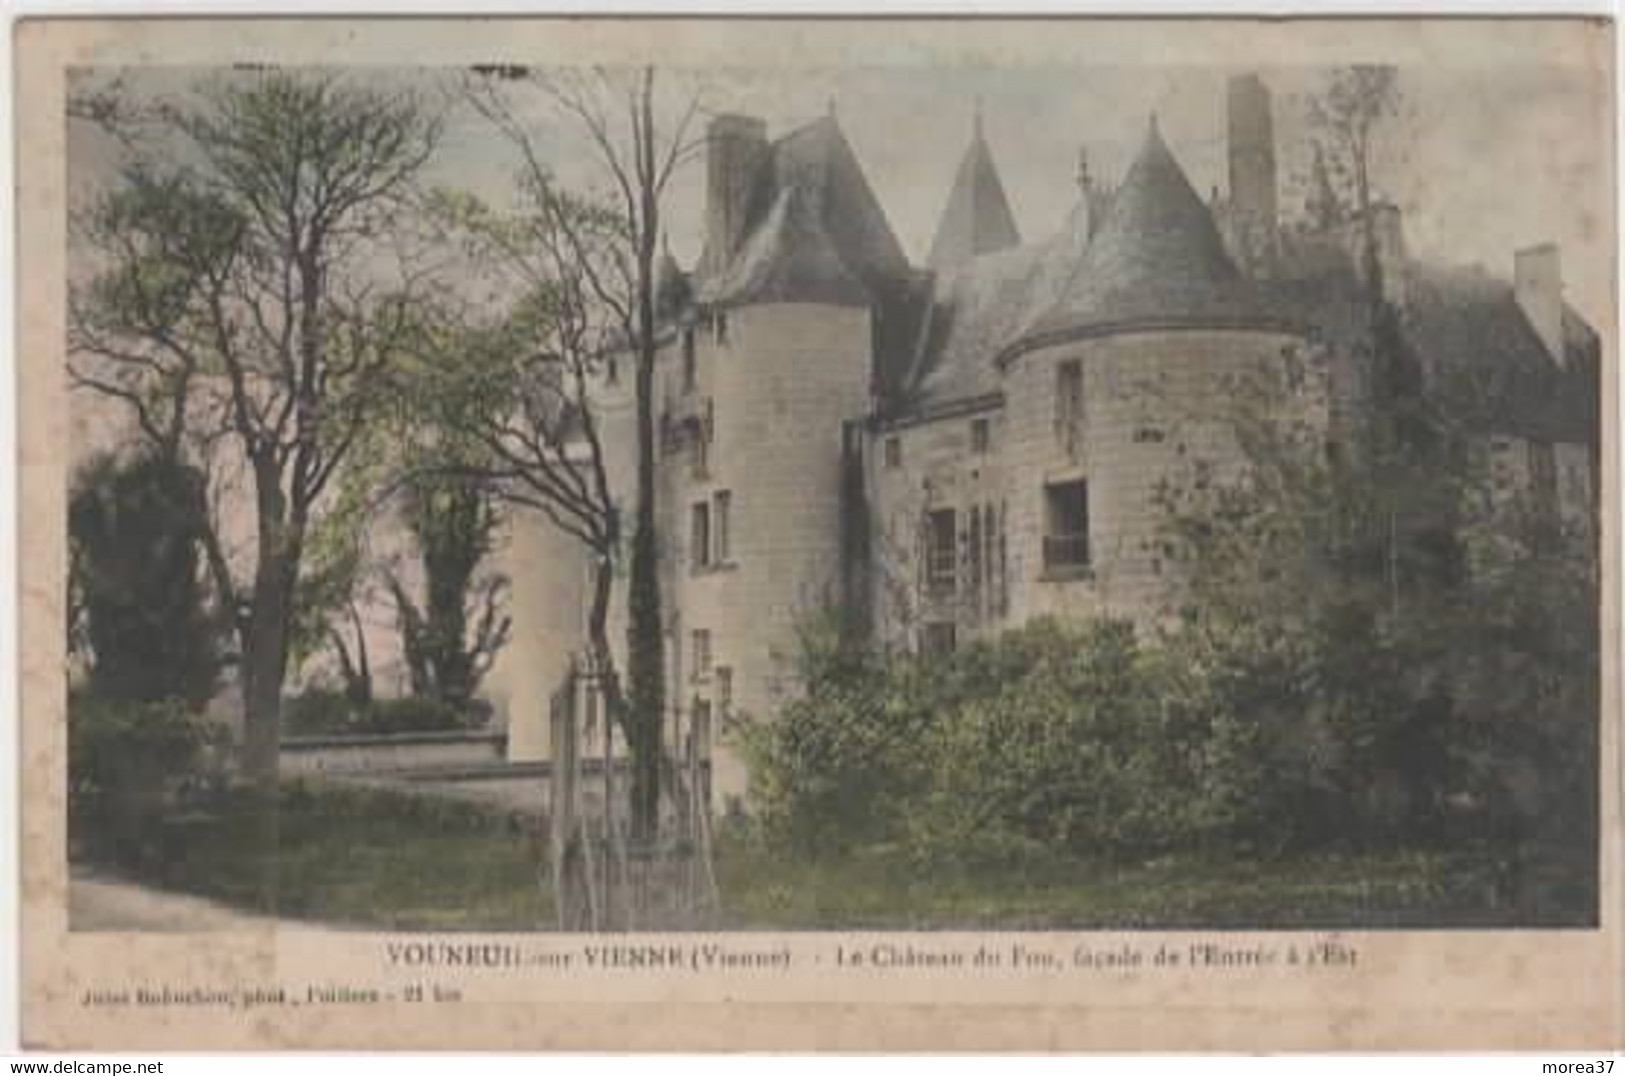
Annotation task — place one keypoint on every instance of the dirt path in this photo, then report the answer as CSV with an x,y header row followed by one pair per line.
x,y
97,902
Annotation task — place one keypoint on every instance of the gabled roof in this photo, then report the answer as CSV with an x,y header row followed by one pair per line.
x,y
977,219
1479,350
1157,259
834,208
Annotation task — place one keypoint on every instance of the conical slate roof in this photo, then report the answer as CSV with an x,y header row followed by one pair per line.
x,y
834,212
1157,260
977,219
789,257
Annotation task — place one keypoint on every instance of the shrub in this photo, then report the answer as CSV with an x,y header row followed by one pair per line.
x,y
831,766
1047,737
410,714
318,711
129,763
323,711
1074,752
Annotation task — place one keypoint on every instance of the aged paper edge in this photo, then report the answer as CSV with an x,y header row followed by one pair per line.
x,y
1415,990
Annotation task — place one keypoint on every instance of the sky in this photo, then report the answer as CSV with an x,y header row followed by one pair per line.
x,y
1482,160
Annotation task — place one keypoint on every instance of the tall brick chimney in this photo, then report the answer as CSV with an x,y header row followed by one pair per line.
x,y
735,146
1251,139
1537,281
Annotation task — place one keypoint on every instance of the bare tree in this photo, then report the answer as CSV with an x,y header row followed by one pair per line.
x,y
1348,112
240,310
638,154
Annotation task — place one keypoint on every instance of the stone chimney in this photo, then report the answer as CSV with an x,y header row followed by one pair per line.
x,y
735,146
1537,281
1250,135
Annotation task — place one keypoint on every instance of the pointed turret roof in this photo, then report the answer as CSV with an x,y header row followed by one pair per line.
x,y
789,257
1157,259
977,219
833,227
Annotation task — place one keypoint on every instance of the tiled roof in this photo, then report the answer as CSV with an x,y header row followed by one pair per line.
x,y
838,231
977,309
1479,349
1157,258
788,257
977,219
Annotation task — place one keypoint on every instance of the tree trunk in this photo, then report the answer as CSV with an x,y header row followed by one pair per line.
x,y
646,664
265,658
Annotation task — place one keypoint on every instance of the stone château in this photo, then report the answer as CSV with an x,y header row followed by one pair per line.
x,y
951,450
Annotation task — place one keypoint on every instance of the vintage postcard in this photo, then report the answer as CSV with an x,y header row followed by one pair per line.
x,y
672,534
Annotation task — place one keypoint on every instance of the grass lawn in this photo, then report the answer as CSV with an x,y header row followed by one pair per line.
x,y
362,857
1369,890
384,860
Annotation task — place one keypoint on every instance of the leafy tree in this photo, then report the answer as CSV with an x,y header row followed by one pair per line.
x,y
451,639
135,535
247,308
1348,713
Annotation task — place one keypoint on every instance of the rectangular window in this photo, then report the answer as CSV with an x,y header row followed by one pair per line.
x,y
702,654
979,436
699,536
699,732
690,362
589,699
989,556
974,561
940,550
721,505
725,689
938,638
699,446
1066,526
1068,403
719,327
894,452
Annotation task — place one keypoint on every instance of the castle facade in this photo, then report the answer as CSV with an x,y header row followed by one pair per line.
x,y
950,450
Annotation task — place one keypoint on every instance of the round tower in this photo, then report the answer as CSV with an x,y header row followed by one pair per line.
x,y
1119,389
778,359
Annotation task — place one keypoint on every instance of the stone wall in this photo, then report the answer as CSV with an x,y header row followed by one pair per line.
x,y
777,388
549,570
1157,408
309,755
760,422
953,461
